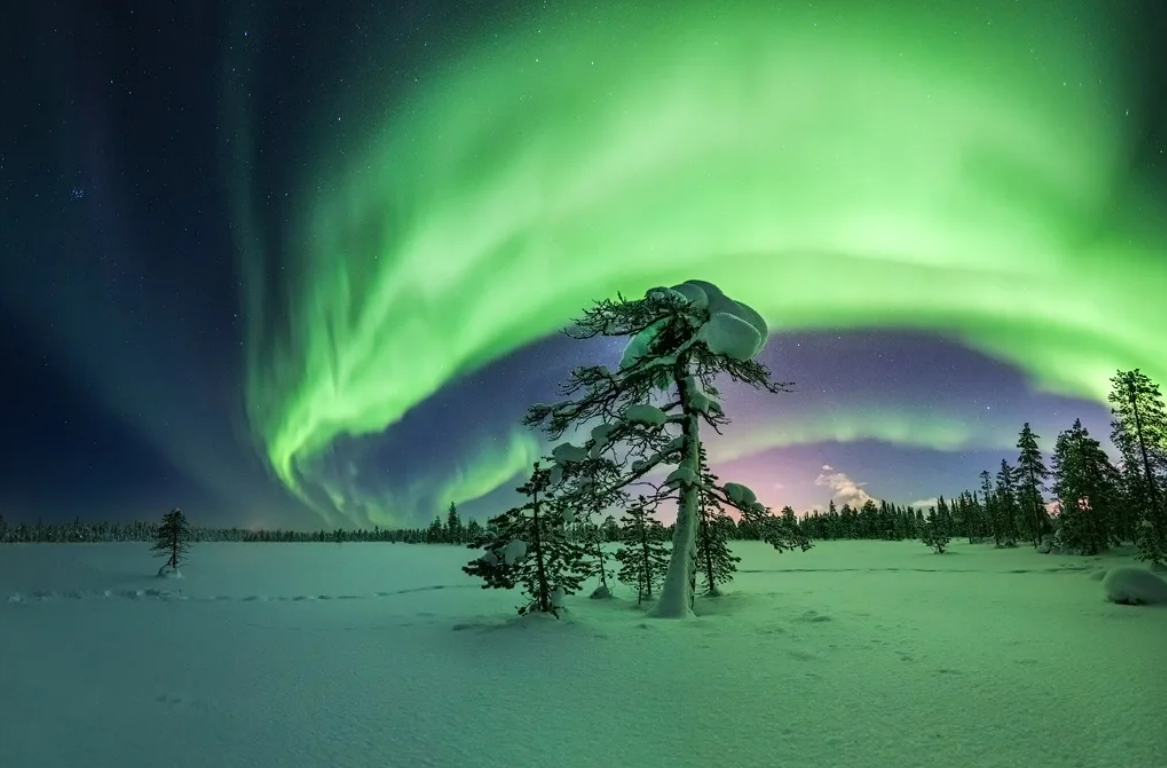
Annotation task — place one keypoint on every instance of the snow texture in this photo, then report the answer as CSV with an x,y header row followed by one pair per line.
x,y
852,655
601,432
700,402
638,345
731,337
515,551
566,453
555,475
680,476
740,494
1134,586
693,293
642,413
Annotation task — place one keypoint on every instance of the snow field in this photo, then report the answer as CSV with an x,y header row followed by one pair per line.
x,y
854,654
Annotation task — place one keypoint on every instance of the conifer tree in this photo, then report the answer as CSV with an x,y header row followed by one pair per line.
x,y
935,531
610,529
1085,483
991,516
473,531
593,539
1031,475
435,534
1139,431
682,340
715,562
643,554
1007,509
172,541
529,548
455,532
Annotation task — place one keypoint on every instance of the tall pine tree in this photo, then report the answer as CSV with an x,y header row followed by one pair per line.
x,y
1139,431
455,532
1086,486
1007,507
1031,476
991,515
681,342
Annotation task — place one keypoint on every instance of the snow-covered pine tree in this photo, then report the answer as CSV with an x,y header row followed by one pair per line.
x,y
643,554
715,563
681,340
935,532
172,541
1086,485
1031,475
528,547
1139,431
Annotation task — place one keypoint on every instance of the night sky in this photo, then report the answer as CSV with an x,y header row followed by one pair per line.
x,y
302,265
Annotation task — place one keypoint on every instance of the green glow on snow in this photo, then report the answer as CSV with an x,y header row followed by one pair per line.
x,y
864,167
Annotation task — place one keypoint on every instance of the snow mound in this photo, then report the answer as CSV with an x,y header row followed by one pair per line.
x,y
680,476
700,402
638,345
556,475
740,494
642,413
557,597
692,293
731,336
566,453
489,558
712,293
515,551
1134,586
751,316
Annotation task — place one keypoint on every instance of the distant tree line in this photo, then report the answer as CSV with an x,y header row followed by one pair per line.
x,y
1083,503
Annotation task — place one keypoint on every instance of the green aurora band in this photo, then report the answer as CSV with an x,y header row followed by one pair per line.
x,y
963,172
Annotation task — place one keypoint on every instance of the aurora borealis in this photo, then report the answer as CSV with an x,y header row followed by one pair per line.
x,y
952,220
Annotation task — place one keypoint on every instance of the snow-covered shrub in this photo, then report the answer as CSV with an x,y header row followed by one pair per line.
x,y
1134,586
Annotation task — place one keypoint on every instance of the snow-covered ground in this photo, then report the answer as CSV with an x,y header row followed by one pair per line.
x,y
852,655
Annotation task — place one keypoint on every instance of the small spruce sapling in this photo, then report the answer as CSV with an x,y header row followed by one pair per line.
x,y
528,546
643,554
935,532
579,488
593,540
172,541
715,562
